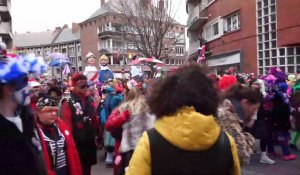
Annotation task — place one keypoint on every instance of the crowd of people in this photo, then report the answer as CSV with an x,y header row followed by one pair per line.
x,y
189,122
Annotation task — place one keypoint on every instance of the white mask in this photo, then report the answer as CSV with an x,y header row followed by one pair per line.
x,y
22,96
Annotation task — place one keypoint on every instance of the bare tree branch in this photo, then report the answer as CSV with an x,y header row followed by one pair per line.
x,y
150,27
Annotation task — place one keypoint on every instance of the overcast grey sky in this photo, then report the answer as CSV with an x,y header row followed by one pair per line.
x,y
41,15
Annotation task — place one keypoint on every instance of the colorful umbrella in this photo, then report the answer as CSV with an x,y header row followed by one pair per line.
x,y
146,60
59,60
33,82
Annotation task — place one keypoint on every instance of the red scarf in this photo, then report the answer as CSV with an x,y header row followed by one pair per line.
x,y
73,161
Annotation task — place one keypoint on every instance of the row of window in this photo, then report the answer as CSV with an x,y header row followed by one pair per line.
x,y
130,29
47,51
217,27
174,61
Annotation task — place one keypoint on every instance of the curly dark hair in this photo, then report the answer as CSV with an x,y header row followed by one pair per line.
x,y
188,86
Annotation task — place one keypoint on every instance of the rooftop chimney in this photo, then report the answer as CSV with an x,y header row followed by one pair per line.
x,y
57,28
75,27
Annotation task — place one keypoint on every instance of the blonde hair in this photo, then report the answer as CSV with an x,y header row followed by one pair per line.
x,y
103,57
134,102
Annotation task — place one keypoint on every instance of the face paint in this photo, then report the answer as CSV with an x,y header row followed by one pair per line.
x,y
22,96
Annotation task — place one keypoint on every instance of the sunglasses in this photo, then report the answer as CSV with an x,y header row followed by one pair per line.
x,y
84,86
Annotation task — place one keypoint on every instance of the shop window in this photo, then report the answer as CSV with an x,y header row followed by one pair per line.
x,y
273,26
273,44
282,61
266,11
260,63
266,3
282,52
259,5
273,17
259,38
266,28
267,45
259,21
274,61
274,53
273,35
267,62
298,50
290,51
260,54
260,46
290,60
259,29
267,54
291,69
298,59
266,19
266,36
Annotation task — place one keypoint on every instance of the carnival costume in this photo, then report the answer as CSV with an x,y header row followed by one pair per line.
x,y
90,70
105,73
19,140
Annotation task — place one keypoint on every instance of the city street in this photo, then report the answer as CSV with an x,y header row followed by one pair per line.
x,y
255,167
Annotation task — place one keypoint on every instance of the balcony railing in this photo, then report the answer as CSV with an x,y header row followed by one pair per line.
x,y
109,50
197,16
5,28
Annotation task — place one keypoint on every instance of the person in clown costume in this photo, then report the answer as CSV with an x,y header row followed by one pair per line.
x,y
90,70
105,73
20,144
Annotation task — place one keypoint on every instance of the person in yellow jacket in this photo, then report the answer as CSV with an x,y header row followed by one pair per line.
x,y
186,138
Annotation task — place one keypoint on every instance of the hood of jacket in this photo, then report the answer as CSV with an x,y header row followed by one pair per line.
x,y
189,130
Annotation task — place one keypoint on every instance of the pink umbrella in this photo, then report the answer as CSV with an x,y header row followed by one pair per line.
x,y
33,82
147,60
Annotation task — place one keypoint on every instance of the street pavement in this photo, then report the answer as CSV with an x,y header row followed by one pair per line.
x,y
254,168
280,168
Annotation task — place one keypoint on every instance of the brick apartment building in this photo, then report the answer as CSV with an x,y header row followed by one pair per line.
x,y
5,23
249,35
102,33
63,40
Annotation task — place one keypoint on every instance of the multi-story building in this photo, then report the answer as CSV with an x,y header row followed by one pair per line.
x,y
5,23
61,40
103,33
278,35
249,35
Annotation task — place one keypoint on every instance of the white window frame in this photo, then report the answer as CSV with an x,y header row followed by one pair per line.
x,y
209,25
231,17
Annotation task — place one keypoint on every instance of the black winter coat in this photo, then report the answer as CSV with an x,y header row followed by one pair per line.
x,y
20,153
280,116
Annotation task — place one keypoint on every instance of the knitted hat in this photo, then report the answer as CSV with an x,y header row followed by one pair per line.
x,y
45,101
76,77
